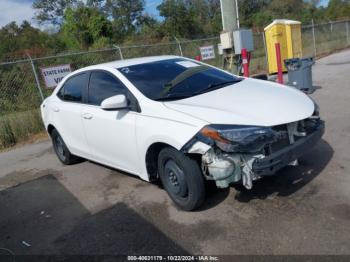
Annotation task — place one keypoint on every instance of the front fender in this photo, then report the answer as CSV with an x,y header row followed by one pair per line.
x,y
150,130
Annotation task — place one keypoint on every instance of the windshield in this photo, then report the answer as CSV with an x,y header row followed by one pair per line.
x,y
174,79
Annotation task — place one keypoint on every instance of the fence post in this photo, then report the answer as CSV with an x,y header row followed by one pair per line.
x,y
179,44
347,32
331,27
314,38
36,77
120,51
265,50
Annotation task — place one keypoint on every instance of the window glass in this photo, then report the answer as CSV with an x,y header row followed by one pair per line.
x,y
103,85
73,88
176,78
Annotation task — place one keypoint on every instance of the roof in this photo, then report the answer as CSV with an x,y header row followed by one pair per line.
x,y
282,21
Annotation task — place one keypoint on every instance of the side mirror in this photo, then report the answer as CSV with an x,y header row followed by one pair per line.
x,y
117,102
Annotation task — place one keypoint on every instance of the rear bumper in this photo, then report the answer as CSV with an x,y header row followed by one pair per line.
x,y
271,164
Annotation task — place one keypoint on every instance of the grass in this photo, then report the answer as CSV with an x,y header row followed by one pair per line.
x,y
18,127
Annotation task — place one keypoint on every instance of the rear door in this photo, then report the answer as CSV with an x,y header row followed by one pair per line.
x,y
67,113
110,134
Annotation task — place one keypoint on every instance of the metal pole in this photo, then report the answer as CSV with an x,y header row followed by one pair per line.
x,y
120,51
265,49
314,38
36,78
179,44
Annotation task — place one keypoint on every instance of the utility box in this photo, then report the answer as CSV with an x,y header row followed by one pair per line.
x,y
243,38
288,34
226,40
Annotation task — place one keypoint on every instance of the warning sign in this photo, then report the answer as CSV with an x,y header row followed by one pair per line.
x,y
207,52
54,75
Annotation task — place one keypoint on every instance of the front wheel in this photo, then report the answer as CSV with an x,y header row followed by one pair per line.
x,y
182,178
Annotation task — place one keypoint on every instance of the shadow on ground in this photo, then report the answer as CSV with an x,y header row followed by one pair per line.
x,y
46,216
214,195
291,178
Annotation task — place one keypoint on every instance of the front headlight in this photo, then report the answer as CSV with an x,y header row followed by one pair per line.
x,y
243,139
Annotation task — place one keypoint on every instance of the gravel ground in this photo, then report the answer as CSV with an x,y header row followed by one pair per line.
x,y
91,209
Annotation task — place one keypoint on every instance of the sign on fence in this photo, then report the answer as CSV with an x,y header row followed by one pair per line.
x,y
53,75
207,52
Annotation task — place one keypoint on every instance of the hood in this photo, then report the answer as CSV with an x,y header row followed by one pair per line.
x,y
249,102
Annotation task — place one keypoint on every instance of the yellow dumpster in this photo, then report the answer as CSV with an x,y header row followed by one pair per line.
x,y
288,34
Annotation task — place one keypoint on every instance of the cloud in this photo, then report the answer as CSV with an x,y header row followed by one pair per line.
x,y
14,10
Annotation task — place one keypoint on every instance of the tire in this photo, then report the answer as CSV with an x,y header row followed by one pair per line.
x,y
61,149
182,178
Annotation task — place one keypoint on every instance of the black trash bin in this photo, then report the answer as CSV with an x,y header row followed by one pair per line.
x,y
300,73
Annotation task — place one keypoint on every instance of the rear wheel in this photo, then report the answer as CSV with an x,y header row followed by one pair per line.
x,y
182,178
61,149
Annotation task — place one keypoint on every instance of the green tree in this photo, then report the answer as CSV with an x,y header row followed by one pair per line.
x,y
254,12
291,9
149,28
95,3
51,11
178,20
126,16
338,9
83,26
206,16
16,40
215,16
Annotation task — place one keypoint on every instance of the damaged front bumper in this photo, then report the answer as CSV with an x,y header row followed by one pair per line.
x,y
226,168
274,162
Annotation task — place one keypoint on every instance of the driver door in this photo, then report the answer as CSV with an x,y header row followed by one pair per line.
x,y
110,134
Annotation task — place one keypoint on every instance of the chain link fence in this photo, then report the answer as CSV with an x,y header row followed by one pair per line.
x,y
322,39
22,86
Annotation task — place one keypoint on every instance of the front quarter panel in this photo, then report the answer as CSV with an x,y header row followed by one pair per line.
x,y
159,124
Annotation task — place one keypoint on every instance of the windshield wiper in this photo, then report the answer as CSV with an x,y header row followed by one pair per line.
x,y
214,86
204,90
173,97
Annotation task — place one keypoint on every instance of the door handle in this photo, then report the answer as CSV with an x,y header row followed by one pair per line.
x,y
87,115
55,109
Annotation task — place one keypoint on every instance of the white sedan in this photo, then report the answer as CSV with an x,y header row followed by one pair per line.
x,y
180,121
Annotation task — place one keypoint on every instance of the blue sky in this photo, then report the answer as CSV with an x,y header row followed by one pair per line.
x,y
151,7
19,10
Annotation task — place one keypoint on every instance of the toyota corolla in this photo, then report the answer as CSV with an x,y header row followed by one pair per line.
x,y
181,121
